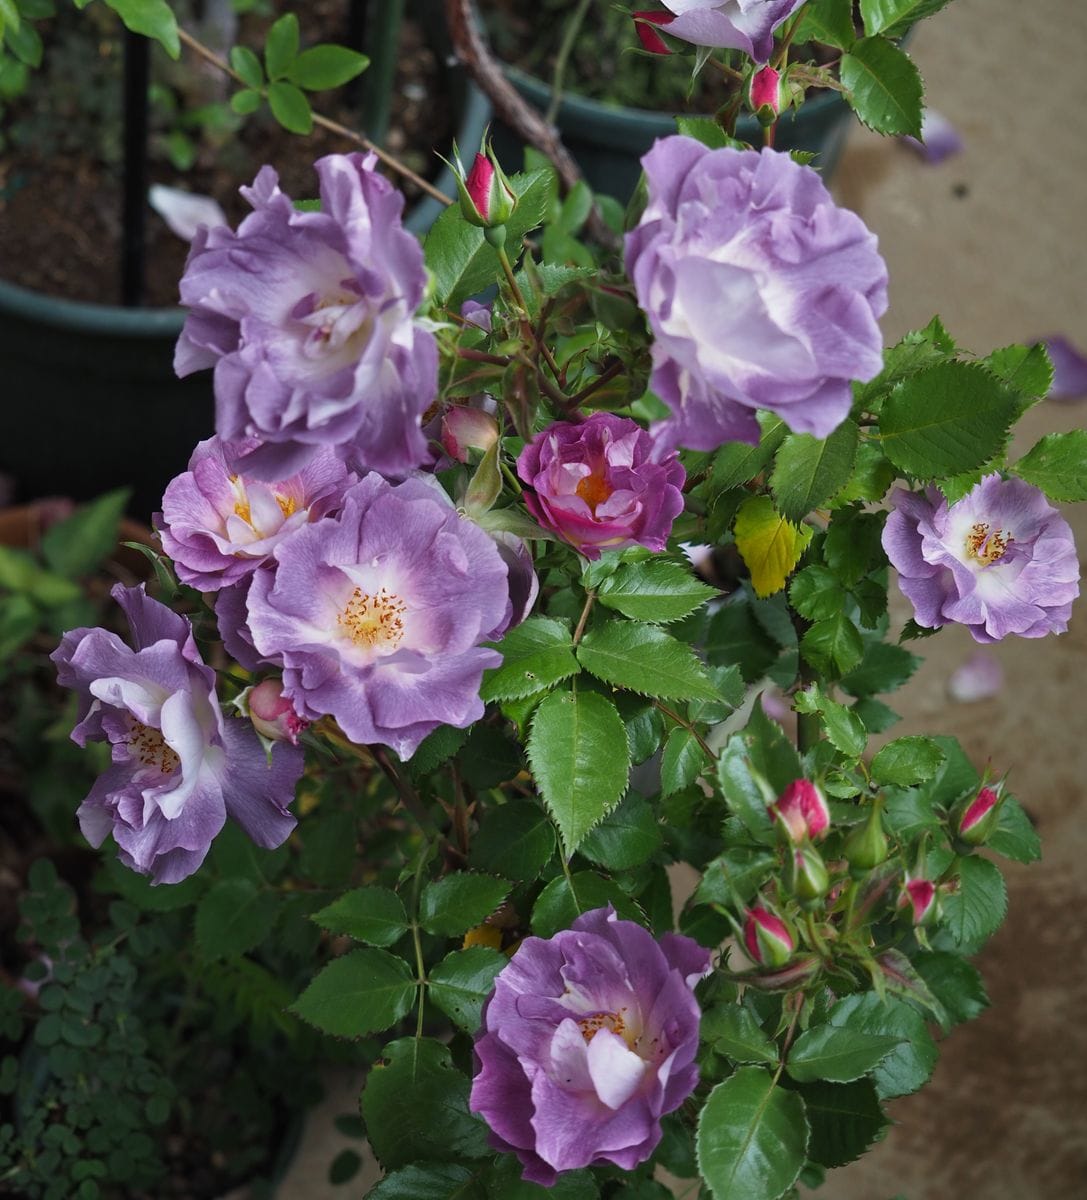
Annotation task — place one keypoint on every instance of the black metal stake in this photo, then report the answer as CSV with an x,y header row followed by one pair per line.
x,y
134,205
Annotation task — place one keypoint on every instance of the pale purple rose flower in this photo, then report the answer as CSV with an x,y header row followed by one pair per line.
x,y
180,768
760,292
746,25
602,484
219,526
1000,561
377,614
939,138
588,1039
1069,369
307,318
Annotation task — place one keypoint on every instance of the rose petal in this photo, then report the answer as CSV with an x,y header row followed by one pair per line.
x,y
183,211
980,677
939,138
1069,369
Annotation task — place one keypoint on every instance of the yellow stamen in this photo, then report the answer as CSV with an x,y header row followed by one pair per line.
x,y
374,620
985,547
149,749
594,489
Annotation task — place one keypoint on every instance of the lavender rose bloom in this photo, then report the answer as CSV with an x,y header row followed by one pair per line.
x,y
1001,560
588,1039
760,292
746,25
219,526
602,484
307,320
377,614
179,767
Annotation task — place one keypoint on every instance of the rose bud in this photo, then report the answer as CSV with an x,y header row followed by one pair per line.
x,y
486,197
920,896
977,817
766,94
806,875
768,939
272,714
465,429
866,847
651,40
801,811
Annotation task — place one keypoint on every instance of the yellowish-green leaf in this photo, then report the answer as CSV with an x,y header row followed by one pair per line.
x,y
770,545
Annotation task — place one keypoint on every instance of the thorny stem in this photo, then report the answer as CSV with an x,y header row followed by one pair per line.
x,y
674,716
798,1002
604,377
481,356
537,340
786,42
405,792
420,967
393,163
582,621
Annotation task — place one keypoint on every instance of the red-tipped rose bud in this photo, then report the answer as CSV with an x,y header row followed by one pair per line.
x,y
651,40
486,197
801,811
806,874
766,94
866,847
272,714
768,939
979,815
466,428
919,895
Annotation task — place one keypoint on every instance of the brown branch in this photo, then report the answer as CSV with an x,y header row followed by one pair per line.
x,y
516,112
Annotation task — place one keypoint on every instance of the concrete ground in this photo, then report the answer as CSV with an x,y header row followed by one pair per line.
x,y
993,241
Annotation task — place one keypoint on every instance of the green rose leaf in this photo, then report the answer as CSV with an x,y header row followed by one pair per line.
x,y
909,1065
657,591
816,593
948,419
536,655
563,900
645,659
955,983
739,462
845,1119
836,1054
579,755
1058,465
233,917
458,256
973,912
884,668
326,66
461,982
742,793
808,470
752,1137
734,877
372,914
883,86
430,1181
833,646
515,840
1014,835
734,1032
452,905
827,21
681,762
362,992
895,17
415,1107
907,760
247,101
625,838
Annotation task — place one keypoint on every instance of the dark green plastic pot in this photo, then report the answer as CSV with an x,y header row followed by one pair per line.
x,y
608,141
88,395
